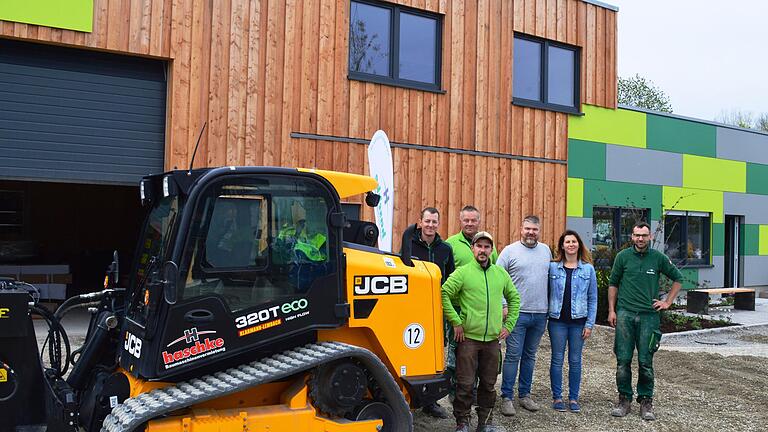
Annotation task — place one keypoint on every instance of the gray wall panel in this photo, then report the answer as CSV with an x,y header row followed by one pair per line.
x,y
755,270
79,116
742,145
713,277
583,226
753,207
633,165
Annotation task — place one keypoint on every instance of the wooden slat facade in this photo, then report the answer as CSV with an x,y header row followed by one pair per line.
x,y
258,71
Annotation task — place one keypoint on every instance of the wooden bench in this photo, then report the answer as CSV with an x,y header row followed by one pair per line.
x,y
698,300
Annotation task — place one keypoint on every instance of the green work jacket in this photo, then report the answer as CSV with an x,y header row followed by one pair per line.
x,y
636,275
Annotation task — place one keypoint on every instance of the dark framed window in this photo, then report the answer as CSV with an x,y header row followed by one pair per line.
x,y
687,237
395,45
612,230
546,74
351,210
11,213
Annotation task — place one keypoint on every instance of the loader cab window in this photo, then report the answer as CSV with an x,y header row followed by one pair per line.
x,y
259,240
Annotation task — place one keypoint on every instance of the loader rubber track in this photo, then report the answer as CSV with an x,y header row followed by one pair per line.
x,y
134,412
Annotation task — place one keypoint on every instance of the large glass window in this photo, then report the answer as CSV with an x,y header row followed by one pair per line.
x,y
395,45
612,230
686,237
259,240
546,74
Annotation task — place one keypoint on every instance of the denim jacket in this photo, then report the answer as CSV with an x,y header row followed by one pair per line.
x,y
583,291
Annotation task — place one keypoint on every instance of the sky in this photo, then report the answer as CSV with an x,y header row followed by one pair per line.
x,y
707,55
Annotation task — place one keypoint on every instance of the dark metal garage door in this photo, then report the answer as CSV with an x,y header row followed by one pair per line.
x,y
79,116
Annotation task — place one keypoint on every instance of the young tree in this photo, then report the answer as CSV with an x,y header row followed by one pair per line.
x,y
639,92
736,117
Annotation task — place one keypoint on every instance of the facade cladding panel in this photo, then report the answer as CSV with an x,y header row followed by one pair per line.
x,y
677,165
79,116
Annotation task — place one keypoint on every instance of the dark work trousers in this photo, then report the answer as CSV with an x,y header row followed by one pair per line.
x,y
476,358
636,331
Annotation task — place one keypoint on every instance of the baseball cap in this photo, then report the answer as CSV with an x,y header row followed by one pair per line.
x,y
482,235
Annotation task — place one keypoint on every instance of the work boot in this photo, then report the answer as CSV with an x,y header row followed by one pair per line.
x,y
529,404
435,410
646,409
622,408
507,407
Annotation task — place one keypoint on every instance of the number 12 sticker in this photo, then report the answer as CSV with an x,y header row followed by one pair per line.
x,y
413,336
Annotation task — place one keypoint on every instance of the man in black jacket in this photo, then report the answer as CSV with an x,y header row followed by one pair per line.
x,y
427,245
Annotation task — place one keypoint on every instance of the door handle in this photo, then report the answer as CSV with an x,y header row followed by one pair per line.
x,y
199,316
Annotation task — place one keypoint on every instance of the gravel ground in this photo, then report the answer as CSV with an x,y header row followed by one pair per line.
x,y
695,391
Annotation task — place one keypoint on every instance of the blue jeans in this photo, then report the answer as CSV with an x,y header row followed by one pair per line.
x,y
559,334
522,345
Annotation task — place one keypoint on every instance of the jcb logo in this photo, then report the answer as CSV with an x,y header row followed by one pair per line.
x,y
4,312
378,285
132,345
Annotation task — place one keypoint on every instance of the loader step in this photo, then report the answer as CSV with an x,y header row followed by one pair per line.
x,y
136,411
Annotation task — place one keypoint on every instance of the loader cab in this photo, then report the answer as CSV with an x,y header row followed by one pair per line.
x,y
233,264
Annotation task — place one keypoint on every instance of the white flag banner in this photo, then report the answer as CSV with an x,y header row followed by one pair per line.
x,y
380,162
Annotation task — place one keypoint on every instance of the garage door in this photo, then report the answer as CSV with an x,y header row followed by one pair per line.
x,y
79,116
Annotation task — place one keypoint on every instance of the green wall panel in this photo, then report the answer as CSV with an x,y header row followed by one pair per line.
x,y
718,239
66,14
586,159
681,136
714,174
618,194
675,198
757,178
575,202
690,280
751,239
620,127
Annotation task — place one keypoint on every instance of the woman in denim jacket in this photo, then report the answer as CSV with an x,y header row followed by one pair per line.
x,y
572,312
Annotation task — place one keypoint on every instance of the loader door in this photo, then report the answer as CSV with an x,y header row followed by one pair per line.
x,y
260,265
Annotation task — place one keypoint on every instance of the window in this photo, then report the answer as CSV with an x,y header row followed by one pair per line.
x,y
612,230
686,237
11,213
351,210
391,44
546,74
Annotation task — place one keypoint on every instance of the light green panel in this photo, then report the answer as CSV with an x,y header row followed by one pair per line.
x,y
65,14
586,159
620,127
675,198
619,194
715,174
750,235
757,178
681,136
575,203
718,239
763,247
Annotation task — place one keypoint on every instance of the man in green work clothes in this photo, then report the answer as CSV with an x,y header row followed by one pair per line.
x,y
461,242
633,308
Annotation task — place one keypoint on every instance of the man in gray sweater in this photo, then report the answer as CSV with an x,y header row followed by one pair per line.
x,y
527,262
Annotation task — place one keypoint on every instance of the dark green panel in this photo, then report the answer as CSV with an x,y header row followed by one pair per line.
x,y
718,239
680,136
757,178
586,159
690,280
750,244
618,194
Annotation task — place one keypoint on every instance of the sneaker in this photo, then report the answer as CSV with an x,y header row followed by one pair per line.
x,y
507,407
462,427
529,404
646,409
558,405
435,410
574,406
622,408
490,428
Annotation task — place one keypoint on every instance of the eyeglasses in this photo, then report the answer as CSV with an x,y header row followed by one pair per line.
x,y
641,235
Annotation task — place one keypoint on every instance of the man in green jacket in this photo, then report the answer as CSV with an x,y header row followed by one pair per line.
x,y
477,288
633,308
469,219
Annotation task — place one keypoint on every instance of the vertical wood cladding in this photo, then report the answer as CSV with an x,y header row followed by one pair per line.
x,y
258,71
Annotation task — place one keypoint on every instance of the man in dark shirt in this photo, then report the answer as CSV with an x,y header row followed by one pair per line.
x,y
427,245
633,308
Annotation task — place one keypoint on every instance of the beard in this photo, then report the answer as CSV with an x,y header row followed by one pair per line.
x,y
530,241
